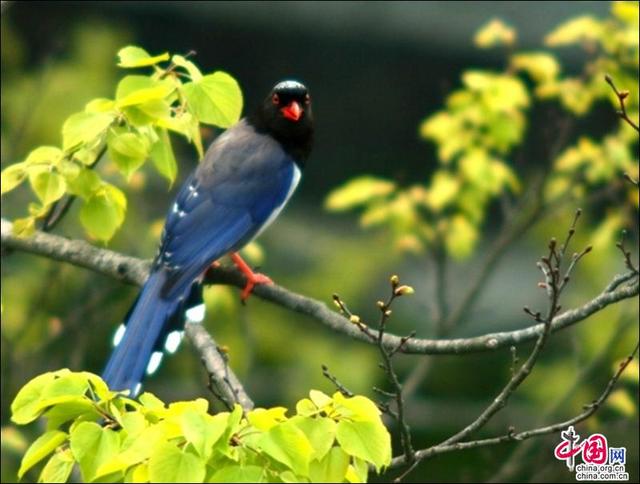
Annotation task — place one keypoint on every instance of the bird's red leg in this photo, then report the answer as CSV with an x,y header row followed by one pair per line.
x,y
253,278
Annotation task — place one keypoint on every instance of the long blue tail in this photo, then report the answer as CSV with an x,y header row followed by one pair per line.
x,y
152,323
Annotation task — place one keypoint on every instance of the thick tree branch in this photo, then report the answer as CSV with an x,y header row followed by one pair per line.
x,y
134,271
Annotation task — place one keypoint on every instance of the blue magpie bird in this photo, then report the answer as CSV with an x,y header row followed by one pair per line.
x,y
246,177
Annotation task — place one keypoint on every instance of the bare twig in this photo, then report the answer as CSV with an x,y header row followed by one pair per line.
x,y
223,382
622,95
134,271
554,283
397,290
626,253
589,410
517,459
341,388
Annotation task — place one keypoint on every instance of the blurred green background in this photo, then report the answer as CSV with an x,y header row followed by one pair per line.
x,y
375,71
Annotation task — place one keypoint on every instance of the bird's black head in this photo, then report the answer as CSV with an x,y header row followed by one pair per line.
x,y
286,115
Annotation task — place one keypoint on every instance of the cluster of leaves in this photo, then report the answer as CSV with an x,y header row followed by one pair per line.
x,y
485,121
112,438
131,128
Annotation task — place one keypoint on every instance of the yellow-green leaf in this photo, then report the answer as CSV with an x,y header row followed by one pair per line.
x,y
495,33
359,191
541,66
134,90
128,150
162,156
12,176
133,56
104,212
58,468
239,474
460,237
92,446
42,447
332,468
367,440
189,66
443,190
24,227
84,128
287,444
579,29
49,186
170,464
215,99
49,155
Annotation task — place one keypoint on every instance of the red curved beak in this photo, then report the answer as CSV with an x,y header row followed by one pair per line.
x,y
293,111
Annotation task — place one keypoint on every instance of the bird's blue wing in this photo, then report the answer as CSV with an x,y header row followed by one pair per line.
x,y
221,208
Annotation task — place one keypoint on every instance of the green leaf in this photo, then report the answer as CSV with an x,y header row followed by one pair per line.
x,y
187,125
189,66
320,432
104,212
128,150
215,99
163,157
25,406
494,33
356,408
85,184
443,190
42,447
286,443
49,155
48,185
135,90
320,399
24,227
84,128
359,191
541,66
71,410
139,449
92,446
239,474
169,464
58,468
367,440
12,176
332,468
133,56
202,430
578,29
460,237
139,473
358,471
263,419
100,105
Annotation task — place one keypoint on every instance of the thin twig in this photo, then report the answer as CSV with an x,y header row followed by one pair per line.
x,y
341,388
589,410
550,266
622,95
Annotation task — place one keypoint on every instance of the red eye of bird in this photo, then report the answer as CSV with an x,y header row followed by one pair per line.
x,y
275,99
307,99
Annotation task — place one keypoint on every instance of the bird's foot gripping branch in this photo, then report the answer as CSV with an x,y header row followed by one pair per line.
x,y
110,437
